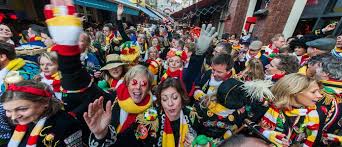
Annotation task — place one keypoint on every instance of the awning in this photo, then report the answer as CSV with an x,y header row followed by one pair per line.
x,y
105,5
141,8
198,5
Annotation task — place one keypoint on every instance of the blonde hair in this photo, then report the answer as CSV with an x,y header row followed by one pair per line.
x,y
287,87
138,69
255,69
52,56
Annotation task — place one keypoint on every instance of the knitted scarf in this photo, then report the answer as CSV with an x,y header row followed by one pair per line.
x,y
13,65
20,131
129,109
109,38
311,122
249,57
333,98
54,81
174,74
168,139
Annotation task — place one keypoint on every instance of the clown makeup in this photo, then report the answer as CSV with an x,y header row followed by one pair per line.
x,y
138,87
175,63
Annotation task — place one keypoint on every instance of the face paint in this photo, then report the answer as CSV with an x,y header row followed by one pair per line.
x,y
144,83
134,82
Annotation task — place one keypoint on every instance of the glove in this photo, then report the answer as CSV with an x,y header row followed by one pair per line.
x,y
332,138
203,42
64,27
276,137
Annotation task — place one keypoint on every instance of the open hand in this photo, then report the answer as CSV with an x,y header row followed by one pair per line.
x,y
119,12
97,118
206,37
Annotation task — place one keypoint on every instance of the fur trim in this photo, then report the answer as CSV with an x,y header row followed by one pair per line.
x,y
258,89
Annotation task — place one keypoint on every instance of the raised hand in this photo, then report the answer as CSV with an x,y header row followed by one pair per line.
x,y
329,27
97,118
119,12
207,35
64,26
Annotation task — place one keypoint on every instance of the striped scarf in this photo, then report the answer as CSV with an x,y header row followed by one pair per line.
x,y
20,131
311,123
54,81
168,139
129,110
13,65
109,38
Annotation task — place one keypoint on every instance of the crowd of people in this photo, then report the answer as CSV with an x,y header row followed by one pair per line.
x,y
160,85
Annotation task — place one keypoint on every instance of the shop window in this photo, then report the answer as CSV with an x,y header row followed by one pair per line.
x,y
338,6
326,21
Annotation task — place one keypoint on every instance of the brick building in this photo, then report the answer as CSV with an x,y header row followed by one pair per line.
x,y
239,16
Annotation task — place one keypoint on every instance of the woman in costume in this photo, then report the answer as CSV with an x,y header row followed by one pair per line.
x,y
175,119
38,117
113,71
292,117
118,124
49,72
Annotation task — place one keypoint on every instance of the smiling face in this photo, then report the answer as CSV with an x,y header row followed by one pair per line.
x,y
300,51
47,66
138,87
153,53
175,63
116,72
220,72
5,33
24,111
171,102
272,68
309,96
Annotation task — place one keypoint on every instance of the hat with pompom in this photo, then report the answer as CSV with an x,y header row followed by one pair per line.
x,y
174,52
129,51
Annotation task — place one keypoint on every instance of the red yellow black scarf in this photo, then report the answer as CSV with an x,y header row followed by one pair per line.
x,y
127,105
168,139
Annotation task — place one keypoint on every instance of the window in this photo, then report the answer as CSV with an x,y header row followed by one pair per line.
x,y
3,2
338,6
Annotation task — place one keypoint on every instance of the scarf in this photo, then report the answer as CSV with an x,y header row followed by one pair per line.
x,y
129,110
273,120
337,52
20,131
109,38
54,81
249,57
269,51
13,65
333,98
174,74
168,139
